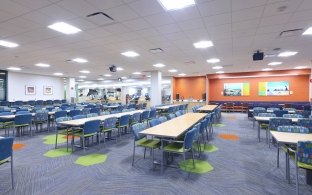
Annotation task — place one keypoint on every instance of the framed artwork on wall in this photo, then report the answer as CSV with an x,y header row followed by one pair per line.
x,y
47,90
30,90
273,88
236,89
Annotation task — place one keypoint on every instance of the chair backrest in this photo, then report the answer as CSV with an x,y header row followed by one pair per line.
x,y
304,113
171,116
203,125
22,112
304,152
177,113
264,114
171,109
115,111
273,108
280,113
110,123
152,114
154,122
61,119
74,113
259,108
125,110
6,144
124,120
292,116
105,113
136,129
145,115
189,137
22,119
91,126
293,129
289,109
257,112
274,123
79,116
136,117
162,119
86,110
305,122
92,115
43,116
62,113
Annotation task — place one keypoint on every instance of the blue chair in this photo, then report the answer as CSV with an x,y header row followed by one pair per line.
x,y
58,114
5,123
280,113
123,124
74,113
152,114
95,110
105,113
80,116
49,102
171,116
92,115
305,122
22,121
7,152
22,112
86,111
304,113
90,129
154,122
162,119
178,113
142,141
144,116
40,119
108,126
135,118
292,116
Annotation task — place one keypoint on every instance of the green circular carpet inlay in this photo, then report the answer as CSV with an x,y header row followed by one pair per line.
x,y
50,139
58,152
201,166
218,125
207,147
91,159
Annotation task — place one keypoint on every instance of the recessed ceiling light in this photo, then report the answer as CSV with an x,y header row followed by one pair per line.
x,y
58,74
301,67
87,82
129,80
85,71
220,72
130,54
203,44
82,77
124,77
14,68
274,63
64,28
182,74
267,69
176,4
137,73
119,69
107,81
42,65
100,79
159,65
269,55
79,60
148,76
173,70
8,44
80,80
107,75
308,31
213,60
217,67
287,53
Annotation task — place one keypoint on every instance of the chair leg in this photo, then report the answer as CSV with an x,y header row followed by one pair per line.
x,y
184,161
133,153
12,175
56,134
144,152
193,158
277,155
297,182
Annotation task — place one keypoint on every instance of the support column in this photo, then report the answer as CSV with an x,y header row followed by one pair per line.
x,y
156,88
124,92
71,90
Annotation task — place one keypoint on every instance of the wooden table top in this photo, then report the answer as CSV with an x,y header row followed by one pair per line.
x,y
80,122
262,118
291,138
174,127
207,108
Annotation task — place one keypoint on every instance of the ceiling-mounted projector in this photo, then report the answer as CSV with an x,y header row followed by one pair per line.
x,y
258,56
112,68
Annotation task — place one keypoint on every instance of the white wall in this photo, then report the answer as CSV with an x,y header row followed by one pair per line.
x,y
17,82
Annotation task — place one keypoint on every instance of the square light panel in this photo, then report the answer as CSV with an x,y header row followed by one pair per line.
x,y
213,60
274,63
130,54
159,65
308,31
64,28
176,4
203,44
8,44
14,68
42,65
79,60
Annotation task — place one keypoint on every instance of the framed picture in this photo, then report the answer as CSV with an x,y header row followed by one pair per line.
x,y
30,90
236,89
47,90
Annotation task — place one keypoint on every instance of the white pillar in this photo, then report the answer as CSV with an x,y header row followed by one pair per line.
x,y
156,88
70,90
124,92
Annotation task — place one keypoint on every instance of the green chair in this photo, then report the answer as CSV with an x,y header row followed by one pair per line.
x,y
142,141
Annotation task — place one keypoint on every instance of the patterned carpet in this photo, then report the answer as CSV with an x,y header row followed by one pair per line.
x,y
243,166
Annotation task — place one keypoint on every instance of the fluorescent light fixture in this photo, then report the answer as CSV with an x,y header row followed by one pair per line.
x,y
148,76
130,54
119,69
269,55
308,31
79,60
80,80
182,74
213,60
159,65
58,74
107,75
173,70
203,44
82,77
136,73
64,28
86,82
287,53
217,67
123,77
42,65
220,72
275,75
129,80
100,79
301,67
14,68
176,4
85,71
274,63
8,44
107,81
267,69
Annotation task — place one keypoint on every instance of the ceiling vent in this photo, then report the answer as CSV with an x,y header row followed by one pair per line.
x,y
100,18
290,33
156,50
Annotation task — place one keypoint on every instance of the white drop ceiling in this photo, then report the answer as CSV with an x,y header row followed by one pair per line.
x,y
237,28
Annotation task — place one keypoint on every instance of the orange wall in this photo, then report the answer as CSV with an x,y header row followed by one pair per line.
x,y
189,87
299,85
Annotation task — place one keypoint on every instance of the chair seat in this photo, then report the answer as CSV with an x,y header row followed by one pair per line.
x,y
107,130
85,135
174,147
4,161
148,143
300,164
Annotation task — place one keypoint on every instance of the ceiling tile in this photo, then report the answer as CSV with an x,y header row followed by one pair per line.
x,y
159,19
137,24
217,20
243,4
146,7
247,14
191,24
214,7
